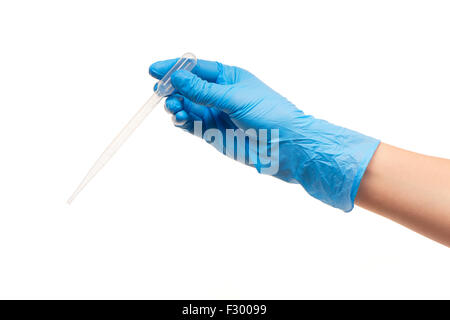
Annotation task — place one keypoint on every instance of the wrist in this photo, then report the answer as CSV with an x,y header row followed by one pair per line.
x,y
327,160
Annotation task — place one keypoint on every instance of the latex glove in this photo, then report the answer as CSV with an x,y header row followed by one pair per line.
x,y
327,160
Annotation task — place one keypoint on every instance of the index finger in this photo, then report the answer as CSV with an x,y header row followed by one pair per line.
x,y
207,70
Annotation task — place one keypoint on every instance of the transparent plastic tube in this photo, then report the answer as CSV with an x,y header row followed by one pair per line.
x,y
164,88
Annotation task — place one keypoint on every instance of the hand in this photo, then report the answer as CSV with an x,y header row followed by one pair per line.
x,y
327,160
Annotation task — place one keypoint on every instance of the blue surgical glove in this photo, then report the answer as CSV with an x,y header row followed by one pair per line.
x,y
327,160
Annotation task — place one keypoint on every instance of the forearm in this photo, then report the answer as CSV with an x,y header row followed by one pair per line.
x,y
409,188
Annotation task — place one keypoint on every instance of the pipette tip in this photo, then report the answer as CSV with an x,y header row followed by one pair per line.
x,y
73,196
69,201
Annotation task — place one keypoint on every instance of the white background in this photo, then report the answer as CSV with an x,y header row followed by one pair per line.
x,y
169,217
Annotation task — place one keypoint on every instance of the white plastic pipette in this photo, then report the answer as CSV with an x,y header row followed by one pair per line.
x,y
164,88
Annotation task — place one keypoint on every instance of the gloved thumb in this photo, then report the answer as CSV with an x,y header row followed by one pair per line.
x,y
198,90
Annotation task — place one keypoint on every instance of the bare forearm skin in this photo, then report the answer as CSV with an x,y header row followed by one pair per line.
x,y
409,188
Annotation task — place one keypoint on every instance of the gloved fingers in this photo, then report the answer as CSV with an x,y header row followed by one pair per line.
x,y
187,125
193,108
159,69
177,102
198,90
180,118
207,70
174,104
181,115
201,112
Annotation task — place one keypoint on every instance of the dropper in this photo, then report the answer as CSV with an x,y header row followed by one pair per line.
x,y
164,88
